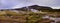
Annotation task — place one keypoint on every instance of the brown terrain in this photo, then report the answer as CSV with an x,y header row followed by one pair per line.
x,y
40,14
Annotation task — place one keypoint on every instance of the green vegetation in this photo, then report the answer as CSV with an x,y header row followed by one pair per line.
x,y
28,17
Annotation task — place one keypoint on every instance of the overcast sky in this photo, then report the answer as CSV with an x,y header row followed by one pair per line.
x,y
22,3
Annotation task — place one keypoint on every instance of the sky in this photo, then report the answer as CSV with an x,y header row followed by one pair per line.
x,y
11,4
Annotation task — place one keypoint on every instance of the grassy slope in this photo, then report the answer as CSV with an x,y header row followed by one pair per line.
x,y
29,17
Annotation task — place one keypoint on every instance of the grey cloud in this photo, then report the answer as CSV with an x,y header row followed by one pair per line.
x,y
21,3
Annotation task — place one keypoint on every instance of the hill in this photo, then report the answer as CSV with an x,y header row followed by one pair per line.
x,y
28,14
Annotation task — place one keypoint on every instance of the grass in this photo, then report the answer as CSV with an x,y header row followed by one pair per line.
x,y
28,17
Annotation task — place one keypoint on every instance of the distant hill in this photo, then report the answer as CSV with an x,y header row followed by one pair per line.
x,y
36,7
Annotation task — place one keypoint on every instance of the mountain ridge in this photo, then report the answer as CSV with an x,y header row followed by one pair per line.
x,y
35,7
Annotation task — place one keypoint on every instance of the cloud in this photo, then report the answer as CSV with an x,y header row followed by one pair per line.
x,y
22,3
46,2
55,7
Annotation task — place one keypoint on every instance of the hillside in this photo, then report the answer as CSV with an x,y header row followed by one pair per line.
x,y
30,14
